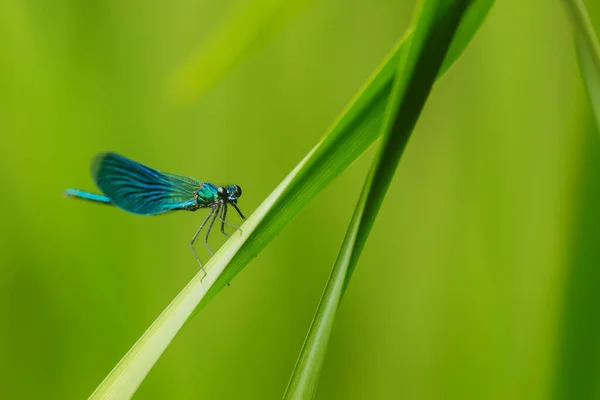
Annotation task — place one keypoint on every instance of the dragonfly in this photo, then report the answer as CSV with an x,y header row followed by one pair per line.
x,y
142,190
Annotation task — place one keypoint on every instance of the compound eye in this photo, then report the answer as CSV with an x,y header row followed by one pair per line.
x,y
221,191
237,191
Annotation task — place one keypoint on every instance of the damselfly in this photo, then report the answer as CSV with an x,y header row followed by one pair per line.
x,y
138,189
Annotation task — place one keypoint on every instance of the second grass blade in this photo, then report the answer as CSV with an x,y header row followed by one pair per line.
x,y
349,137
436,25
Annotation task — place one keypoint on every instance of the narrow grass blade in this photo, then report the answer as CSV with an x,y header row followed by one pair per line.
x,y
349,137
436,25
577,366
238,38
357,128
588,51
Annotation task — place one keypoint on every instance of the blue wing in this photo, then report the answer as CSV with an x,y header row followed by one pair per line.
x,y
142,190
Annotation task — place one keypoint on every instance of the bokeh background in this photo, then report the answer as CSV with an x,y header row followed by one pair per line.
x,y
481,278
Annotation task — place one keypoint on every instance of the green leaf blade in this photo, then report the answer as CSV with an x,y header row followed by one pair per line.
x,y
416,73
350,136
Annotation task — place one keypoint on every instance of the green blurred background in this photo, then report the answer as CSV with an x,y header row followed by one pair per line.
x,y
480,279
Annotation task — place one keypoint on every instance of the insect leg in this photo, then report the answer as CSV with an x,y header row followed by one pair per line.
x,y
210,225
212,210
224,222
238,210
222,219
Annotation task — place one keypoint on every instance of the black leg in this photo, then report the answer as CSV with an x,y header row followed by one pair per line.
x,y
224,222
238,210
222,219
212,221
212,210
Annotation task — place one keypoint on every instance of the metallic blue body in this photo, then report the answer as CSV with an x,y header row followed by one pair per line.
x,y
139,189
142,190
87,196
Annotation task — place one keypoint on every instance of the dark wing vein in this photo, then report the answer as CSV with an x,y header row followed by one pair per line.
x,y
140,189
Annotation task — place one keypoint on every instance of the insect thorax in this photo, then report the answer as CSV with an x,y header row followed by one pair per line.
x,y
206,195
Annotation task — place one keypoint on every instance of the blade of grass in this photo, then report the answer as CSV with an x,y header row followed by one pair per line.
x,y
577,366
437,21
588,51
238,38
350,136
